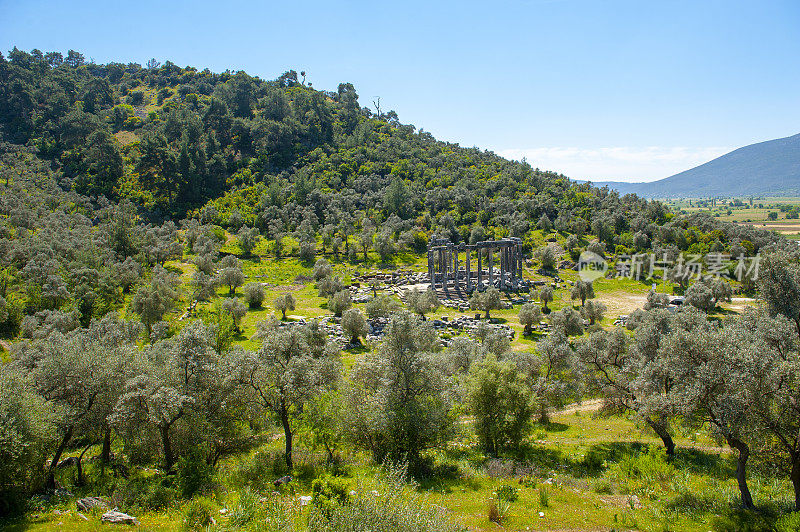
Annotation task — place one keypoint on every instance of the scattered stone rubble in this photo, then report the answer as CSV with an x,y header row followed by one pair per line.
x,y
470,325
395,278
377,326
87,503
118,518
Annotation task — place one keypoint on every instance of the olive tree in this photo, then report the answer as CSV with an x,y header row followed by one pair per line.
x,y
486,301
776,398
235,309
162,243
400,402
291,368
322,269
593,311
339,302
711,372
327,286
230,274
248,239
385,245
548,255
382,306
254,295
654,377
779,287
700,296
79,375
554,372
172,379
500,399
27,432
204,286
206,263
323,422
721,290
582,290
421,302
546,296
154,299
459,355
613,362
529,315
656,300
568,321
283,303
354,324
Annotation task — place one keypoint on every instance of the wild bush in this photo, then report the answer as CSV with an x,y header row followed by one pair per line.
x,y
390,504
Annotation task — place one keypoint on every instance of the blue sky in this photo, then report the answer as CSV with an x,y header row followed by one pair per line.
x,y
623,90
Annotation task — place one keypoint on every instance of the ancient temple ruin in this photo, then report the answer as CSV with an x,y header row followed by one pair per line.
x,y
446,271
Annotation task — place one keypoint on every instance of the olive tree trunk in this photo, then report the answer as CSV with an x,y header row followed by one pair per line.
x,y
741,473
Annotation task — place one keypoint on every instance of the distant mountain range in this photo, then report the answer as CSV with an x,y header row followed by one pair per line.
x,y
770,168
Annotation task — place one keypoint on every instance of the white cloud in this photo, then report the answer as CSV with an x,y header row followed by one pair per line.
x,y
620,163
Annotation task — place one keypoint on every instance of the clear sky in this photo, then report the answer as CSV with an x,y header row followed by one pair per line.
x,y
603,90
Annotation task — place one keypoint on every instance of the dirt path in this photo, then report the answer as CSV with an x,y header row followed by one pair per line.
x,y
738,303
621,303
592,405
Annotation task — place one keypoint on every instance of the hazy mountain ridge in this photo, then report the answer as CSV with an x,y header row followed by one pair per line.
x,y
770,168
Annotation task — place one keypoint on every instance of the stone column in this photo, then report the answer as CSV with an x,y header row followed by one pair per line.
x,y
455,266
430,269
441,266
502,267
468,260
446,266
490,259
512,262
480,264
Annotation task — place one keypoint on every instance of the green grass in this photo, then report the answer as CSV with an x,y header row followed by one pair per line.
x,y
576,459
580,452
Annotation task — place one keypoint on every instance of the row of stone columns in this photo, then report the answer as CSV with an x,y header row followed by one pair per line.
x,y
443,263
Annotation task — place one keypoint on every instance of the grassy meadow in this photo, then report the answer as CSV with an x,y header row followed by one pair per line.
x,y
579,471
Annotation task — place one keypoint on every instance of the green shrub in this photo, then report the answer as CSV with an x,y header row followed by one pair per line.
x,y
393,506
603,486
143,494
508,493
593,462
197,514
245,510
643,473
161,498
327,492
788,523
544,497
135,98
194,472
259,470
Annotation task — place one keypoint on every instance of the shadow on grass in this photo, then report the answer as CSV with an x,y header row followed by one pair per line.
x,y
446,478
16,525
552,426
534,336
358,349
703,462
